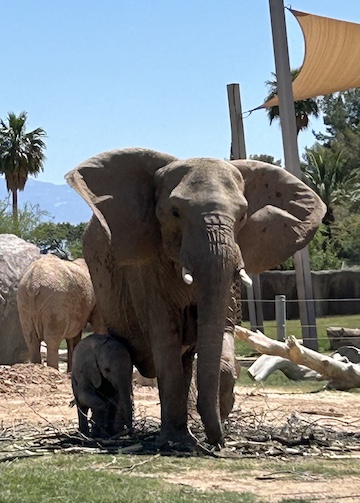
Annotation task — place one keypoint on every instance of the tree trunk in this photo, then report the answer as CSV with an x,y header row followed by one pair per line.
x,y
341,375
15,207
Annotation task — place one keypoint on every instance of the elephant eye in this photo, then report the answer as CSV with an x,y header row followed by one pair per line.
x,y
175,213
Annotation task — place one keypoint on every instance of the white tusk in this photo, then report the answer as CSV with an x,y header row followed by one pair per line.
x,y
187,276
245,278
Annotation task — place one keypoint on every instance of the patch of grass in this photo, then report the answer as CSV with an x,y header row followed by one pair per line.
x,y
279,380
108,479
77,480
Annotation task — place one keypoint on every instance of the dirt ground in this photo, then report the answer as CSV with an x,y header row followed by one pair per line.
x,y
39,396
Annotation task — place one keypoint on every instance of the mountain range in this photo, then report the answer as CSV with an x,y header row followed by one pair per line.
x,y
61,201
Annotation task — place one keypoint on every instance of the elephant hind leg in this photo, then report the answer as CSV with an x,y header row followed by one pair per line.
x,y
31,339
52,358
33,343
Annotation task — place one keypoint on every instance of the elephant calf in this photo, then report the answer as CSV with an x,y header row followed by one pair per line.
x,y
101,379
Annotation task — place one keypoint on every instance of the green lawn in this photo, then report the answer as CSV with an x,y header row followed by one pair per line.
x,y
85,478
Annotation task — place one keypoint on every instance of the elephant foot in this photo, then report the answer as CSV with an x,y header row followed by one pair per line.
x,y
183,441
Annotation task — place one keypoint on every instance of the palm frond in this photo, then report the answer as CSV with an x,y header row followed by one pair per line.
x,y
21,153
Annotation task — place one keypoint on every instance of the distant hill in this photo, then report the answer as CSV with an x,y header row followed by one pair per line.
x,y
60,201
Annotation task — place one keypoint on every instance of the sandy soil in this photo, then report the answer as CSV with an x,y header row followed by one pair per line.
x,y
38,395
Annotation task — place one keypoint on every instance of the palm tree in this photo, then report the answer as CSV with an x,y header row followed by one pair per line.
x,y
327,173
303,108
21,154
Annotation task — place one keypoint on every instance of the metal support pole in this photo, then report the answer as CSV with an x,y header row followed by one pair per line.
x,y
292,163
238,151
280,315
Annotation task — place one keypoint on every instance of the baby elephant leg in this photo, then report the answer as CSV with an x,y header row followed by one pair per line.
x,y
98,418
82,411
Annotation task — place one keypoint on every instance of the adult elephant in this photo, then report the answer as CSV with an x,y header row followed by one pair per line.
x,y
55,300
167,241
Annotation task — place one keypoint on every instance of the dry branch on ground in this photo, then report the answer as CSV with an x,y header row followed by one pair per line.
x,y
341,375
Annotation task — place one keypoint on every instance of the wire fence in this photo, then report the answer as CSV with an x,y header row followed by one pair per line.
x,y
345,315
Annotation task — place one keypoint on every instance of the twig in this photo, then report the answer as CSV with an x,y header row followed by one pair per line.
x,y
135,465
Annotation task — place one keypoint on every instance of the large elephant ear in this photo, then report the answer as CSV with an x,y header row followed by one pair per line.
x,y
283,215
118,185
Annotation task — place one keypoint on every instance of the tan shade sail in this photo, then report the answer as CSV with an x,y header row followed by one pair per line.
x,y
332,57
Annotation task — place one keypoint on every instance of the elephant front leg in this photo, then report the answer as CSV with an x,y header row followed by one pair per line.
x,y
166,346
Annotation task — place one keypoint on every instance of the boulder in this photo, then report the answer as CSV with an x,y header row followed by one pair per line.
x,y
15,256
340,336
349,354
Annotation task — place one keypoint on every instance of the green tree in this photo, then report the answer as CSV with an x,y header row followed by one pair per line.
x,y
303,108
327,174
341,112
265,158
29,218
324,253
33,225
63,239
21,154
346,237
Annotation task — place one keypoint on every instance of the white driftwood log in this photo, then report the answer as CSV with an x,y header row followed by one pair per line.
x,y
341,375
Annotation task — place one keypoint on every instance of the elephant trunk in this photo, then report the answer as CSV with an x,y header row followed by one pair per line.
x,y
213,278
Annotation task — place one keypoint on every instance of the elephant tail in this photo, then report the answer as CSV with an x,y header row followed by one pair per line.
x,y
29,312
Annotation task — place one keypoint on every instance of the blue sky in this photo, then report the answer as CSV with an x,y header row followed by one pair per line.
x,y
147,73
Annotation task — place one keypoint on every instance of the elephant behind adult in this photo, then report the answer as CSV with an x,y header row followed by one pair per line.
x,y
55,301
167,241
15,257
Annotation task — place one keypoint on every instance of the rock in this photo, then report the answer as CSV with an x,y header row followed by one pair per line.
x,y
15,256
340,336
267,364
347,354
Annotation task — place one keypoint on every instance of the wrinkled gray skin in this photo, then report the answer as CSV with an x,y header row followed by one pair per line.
x,y
16,255
101,379
153,215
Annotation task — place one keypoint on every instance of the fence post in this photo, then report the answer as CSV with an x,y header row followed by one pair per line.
x,y
280,314
292,163
238,151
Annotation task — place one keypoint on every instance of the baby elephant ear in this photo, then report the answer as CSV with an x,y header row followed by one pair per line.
x,y
119,187
283,215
